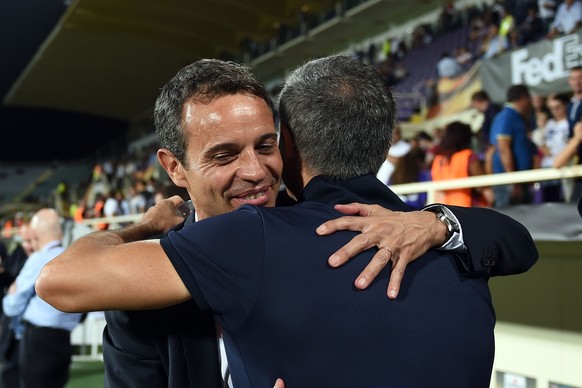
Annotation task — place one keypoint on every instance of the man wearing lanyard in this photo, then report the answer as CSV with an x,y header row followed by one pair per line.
x,y
45,346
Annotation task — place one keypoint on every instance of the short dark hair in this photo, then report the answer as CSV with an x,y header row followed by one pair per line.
x,y
564,98
457,137
202,81
341,114
481,95
517,92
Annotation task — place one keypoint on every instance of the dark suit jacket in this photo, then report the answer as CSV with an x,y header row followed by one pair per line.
x,y
171,347
177,346
286,313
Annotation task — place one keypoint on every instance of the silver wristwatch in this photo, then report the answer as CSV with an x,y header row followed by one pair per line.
x,y
444,215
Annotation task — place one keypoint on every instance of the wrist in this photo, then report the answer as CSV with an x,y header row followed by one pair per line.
x,y
447,225
139,231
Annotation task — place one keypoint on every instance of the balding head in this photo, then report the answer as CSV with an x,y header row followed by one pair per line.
x,y
46,227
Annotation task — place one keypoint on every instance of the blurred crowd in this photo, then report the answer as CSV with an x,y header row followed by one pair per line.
x,y
489,30
129,185
527,132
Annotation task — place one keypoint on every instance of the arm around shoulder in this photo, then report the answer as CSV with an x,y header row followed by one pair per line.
x,y
114,270
505,247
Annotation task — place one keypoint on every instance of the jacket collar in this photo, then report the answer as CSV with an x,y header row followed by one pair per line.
x,y
365,189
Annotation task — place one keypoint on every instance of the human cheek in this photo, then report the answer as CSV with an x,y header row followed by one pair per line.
x,y
274,164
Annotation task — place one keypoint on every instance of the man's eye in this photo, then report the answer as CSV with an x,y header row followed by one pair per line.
x,y
221,158
266,148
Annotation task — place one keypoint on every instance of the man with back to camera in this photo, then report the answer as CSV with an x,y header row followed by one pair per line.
x,y
151,295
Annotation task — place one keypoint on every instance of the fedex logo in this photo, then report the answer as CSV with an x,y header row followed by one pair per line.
x,y
533,70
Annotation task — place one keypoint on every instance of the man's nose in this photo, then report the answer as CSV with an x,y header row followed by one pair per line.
x,y
252,168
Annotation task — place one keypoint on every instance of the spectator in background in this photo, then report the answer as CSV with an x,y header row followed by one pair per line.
x,y
422,140
434,149
137,201
531,29
537,135
97,211
427,144
555,137
572,153
507,28
493,44
457,160
481,101
45,347
447,66
575,106
574,117
464,58
112,206
547,11
571,150
398,149
567,20
447,17
539,104
409,169
108,170
11,327
539,107
512,148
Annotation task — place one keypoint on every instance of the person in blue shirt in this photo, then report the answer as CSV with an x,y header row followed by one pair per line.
x,y
45,346
512,148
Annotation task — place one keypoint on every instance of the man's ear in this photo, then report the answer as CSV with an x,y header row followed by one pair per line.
x,y
173,167
287,145
291,163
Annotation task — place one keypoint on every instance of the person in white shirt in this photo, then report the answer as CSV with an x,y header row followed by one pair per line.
x,y
448,67
568,18
547,11
399,148
556,133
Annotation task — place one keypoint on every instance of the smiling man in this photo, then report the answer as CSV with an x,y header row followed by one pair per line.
x,y
234,158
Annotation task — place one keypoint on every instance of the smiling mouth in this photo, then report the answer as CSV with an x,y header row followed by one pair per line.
x,y
252,196
260,197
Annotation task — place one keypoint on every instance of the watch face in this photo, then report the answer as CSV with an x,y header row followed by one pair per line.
x,y
450,218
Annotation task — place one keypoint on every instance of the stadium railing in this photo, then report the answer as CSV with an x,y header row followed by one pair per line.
x,y
430,187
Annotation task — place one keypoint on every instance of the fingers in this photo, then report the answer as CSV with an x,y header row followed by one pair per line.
x,y
279,383
377,264
396,276
347,209
358,244
342,223
354,222
355,208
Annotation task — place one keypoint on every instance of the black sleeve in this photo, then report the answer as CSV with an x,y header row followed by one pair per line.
x,y
497,244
